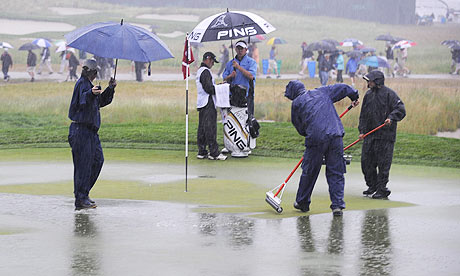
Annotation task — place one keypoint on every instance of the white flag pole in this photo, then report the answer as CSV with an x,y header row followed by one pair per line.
x,y
186,110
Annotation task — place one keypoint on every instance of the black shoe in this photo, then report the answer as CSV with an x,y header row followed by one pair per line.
x,y
337,212
301,208
370,191
91,201
381,194
86,204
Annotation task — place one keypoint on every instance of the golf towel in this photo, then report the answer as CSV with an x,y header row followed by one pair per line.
x,y
223,95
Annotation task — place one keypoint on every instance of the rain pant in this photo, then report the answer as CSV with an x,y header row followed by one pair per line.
x,y
378,105
314,116
83,138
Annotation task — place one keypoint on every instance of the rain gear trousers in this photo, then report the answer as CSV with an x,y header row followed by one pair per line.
x,y
314,116
378,105
83,138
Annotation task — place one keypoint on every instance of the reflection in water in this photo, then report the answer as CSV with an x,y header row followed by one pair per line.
x,y
335,245
376,243
85,260
241,231
208,224
305,235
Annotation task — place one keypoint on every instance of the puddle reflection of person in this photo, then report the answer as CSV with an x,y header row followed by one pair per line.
x,y
208,224
335,240
305,234
376,244
241,231
85,258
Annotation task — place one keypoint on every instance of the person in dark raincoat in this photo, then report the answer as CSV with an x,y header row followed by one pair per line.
x,y
87,153
380,105
7,62
314,116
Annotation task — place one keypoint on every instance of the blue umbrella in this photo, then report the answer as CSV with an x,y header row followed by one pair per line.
x,y
120,41
374,61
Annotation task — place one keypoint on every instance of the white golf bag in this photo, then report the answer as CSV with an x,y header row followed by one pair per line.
x,y
237,138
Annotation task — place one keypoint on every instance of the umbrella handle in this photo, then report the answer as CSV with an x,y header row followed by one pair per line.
x,y
115,74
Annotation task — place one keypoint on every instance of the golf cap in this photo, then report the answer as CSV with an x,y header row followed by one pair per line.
x,y
91,64
242,44
210,55
376,76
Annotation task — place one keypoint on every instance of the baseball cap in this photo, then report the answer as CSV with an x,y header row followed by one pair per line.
x,y
210,55
241,43
91,64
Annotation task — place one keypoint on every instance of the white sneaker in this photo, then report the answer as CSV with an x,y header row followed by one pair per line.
x,y
199,156
224,150
219,157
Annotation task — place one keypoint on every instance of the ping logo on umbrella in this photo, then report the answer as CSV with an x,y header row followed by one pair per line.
x,y
220,21
235,33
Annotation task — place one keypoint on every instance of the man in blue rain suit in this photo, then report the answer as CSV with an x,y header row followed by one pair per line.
x,y
314,116
87,153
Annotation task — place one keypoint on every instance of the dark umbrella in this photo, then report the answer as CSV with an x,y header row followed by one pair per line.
x,y
332,41
321,46
28,46
450,43
367,49
118,40
229,26
354,53
389,37
455,47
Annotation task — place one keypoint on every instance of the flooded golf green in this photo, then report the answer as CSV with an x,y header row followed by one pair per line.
x,y
146,224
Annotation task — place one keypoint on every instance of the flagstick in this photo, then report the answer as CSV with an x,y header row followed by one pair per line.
x,y
186,112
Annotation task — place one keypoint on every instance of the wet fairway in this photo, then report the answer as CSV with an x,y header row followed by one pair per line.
x,y
177,233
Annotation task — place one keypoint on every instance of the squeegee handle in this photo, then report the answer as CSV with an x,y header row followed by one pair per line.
x,y
289,177
364,136
345,112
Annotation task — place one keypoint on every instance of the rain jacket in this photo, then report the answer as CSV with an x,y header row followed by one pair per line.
x,y
378,105
313,113
84,107
247,63
352,66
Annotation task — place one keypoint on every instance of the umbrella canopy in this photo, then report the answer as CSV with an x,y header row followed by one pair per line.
x,y
367,50
255,39
321,46
230,25
5,45
351,42
389,37
28,46
120,41
404,44
62,46
450,43
455,47
332,41
42,42
276,40
354,54
374,61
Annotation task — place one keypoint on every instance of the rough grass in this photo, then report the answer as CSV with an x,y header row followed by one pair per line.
x,y
427,57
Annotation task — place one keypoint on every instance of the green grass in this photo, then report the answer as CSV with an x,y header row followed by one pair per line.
x,y
427,57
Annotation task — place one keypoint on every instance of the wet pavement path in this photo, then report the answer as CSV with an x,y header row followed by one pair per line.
x,y
43,235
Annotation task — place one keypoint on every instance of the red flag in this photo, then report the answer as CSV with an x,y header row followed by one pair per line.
x,y
186,61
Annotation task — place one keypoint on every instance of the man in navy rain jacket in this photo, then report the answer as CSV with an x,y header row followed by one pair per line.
x,y
314,116
87,153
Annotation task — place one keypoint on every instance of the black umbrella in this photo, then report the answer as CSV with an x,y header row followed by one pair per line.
x,y
354,53
332,41
455,47
450,43
229,26
28,46
367,49
389,37
321,46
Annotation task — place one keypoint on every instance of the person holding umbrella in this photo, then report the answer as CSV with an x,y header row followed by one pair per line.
x,y
31,63
380,105
45,61
86,147
242,70
7,62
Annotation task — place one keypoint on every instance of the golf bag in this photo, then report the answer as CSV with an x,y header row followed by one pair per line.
x,y
237,133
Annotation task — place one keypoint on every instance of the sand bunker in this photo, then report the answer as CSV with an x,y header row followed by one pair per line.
x,y
171,17
22,27
71,11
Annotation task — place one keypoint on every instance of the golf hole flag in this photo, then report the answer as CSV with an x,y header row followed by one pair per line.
x,y
185,60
